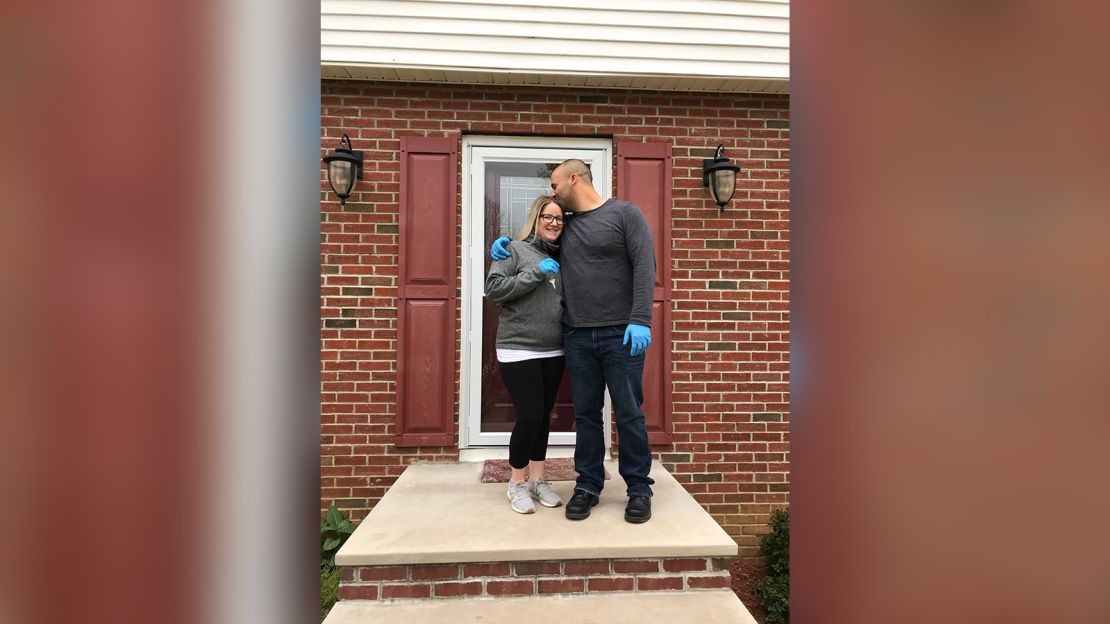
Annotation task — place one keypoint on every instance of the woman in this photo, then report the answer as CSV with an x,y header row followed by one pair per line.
x,y
530,346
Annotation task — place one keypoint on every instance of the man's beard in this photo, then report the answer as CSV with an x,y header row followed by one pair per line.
x,y
564,203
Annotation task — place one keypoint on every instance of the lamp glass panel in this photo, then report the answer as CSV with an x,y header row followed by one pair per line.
x,y
724,185
339,175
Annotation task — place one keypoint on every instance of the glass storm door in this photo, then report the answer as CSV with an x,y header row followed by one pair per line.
x,y
502,177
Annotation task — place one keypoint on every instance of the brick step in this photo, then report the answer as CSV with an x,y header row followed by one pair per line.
x,y
710,607
441,537
451,581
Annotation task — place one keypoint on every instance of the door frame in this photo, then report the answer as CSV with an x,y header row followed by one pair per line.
x,y
476,150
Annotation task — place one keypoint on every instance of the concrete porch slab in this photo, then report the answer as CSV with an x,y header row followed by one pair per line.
x,y
442,513
718,607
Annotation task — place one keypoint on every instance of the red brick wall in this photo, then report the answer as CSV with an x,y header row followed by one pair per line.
x,y
730,277
525,578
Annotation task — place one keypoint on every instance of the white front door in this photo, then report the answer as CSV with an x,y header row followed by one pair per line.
x,y
501,178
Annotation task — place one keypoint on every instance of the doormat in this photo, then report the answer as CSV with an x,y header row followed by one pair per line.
x,y
558,469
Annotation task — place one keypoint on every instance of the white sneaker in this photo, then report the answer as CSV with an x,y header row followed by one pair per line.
x,y
541,491
520,499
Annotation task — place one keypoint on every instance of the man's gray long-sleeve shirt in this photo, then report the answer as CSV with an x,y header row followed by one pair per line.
x,y
608,266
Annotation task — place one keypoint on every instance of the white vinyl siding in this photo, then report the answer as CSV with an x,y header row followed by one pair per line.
x,y
688,44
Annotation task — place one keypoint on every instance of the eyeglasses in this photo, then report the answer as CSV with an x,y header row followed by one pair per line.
x,y
551,218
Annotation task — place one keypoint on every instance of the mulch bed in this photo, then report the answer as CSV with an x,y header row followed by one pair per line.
x,y
744,576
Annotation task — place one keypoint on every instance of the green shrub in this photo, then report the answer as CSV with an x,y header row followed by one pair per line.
x,y
335,528
774,589
329,589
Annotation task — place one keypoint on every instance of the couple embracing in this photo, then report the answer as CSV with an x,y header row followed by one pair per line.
x,y
576,294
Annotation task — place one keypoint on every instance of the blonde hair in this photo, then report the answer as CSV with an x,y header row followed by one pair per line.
x,y
534,215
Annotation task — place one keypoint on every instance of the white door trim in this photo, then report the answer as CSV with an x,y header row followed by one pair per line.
x,y
476,151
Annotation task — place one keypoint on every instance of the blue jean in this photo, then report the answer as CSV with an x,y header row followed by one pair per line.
x,y
595,358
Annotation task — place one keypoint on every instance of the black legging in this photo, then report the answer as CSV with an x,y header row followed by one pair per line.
x,y
532,385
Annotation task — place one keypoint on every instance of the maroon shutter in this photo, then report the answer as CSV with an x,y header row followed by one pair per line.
x,y
426,283
644,178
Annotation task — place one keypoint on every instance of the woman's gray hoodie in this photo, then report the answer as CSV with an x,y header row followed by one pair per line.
x,y
531,307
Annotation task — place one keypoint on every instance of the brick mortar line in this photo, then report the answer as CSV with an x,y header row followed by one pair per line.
x,y
539,577
534,582
487,596
610,563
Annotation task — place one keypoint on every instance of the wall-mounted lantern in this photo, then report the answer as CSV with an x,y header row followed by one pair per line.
x,y
344,169
720,176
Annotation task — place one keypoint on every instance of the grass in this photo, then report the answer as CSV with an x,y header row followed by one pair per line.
x,y
329,589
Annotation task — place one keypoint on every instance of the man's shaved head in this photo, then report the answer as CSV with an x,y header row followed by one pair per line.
x,y
576,167
572,186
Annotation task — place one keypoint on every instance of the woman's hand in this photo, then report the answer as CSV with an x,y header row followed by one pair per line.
x,y
549,266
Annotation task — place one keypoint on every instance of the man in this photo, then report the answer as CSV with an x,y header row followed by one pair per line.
x,y
608,273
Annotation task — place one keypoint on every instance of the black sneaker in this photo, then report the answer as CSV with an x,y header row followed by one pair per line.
x,y
579,505
638,509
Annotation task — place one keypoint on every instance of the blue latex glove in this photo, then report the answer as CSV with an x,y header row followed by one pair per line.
x,y
549,266
498,251
640,336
